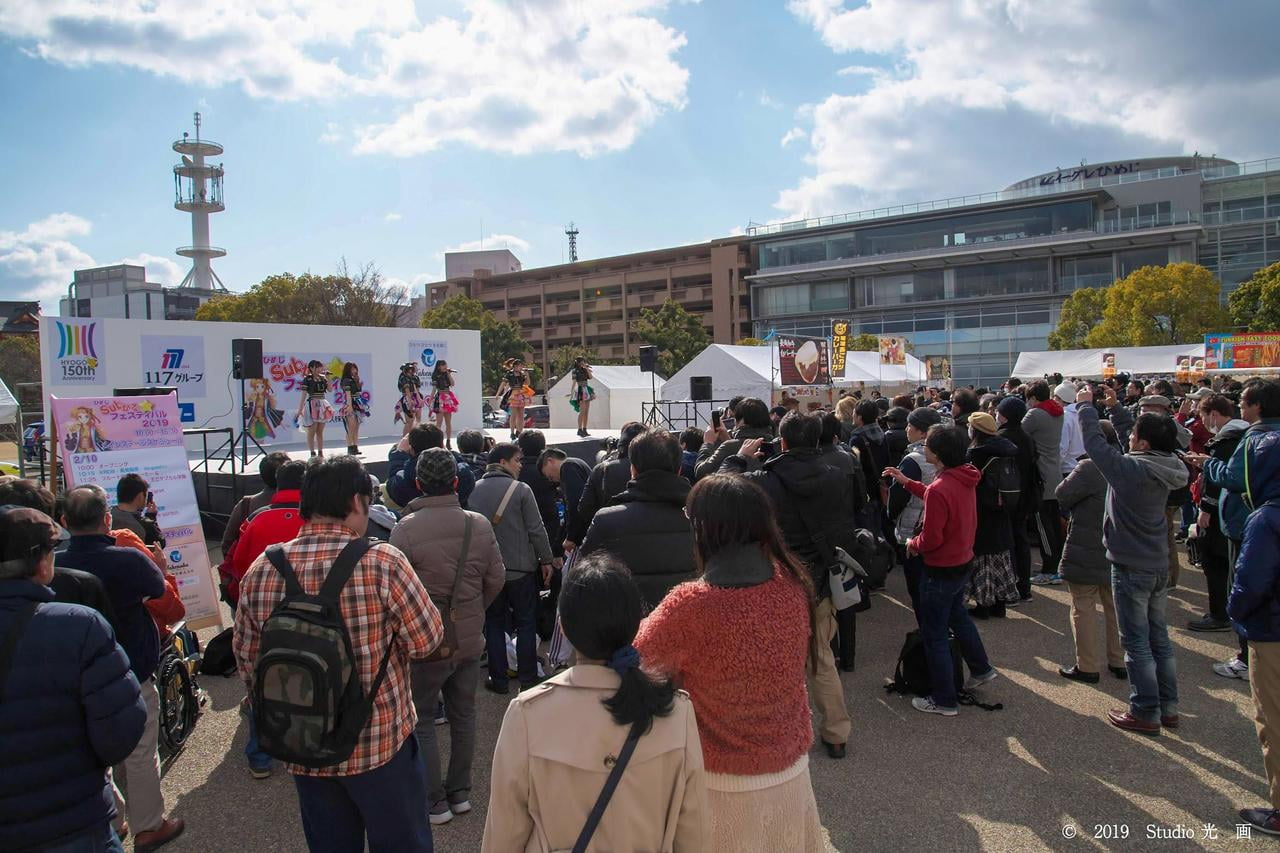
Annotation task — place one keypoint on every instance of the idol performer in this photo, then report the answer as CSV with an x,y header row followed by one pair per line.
x,y
261,417
443,401
355,408
582,394
515,393
83,432
314,410
409,406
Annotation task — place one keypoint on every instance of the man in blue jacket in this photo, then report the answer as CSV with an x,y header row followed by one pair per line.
x,y
402,462
69,706
1254,609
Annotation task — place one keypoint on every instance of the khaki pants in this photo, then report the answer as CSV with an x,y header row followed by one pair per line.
x,y
824,685
141,770
1084,626
1264,682
1173,521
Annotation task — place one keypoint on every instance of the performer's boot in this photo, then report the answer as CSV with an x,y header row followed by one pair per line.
x,y
352,450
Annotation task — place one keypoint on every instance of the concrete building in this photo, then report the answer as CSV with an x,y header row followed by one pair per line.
x,y
978,279
467,264
122,291
594,303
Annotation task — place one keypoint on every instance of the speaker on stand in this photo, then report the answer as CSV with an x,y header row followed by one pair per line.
x,y
700,388
649,365
246,364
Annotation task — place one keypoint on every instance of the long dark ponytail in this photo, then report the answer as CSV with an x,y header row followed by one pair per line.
x,y
600,611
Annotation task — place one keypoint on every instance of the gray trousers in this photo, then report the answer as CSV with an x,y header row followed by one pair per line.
x,y
456,680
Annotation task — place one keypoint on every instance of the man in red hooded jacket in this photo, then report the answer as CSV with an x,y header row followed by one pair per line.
x,y
945,542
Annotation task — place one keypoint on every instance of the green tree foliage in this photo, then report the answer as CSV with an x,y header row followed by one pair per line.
x,y
498,340
864,343
678,335
19,362
1154,306
346,298
751,342
1255,304
1080,313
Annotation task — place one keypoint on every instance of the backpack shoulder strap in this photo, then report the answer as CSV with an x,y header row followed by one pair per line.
x,y
275,555
462,560
506,499
9,644
606,794
343,567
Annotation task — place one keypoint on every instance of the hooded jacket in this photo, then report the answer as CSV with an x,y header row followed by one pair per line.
x,y
950,520
402,479
868,440
1026,459
646,529
1134,529
806,493
839,456
1043,425
895,444
277,522
1263,480
1253,605
995,532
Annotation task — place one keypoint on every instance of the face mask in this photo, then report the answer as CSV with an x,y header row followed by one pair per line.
x,y
1211,426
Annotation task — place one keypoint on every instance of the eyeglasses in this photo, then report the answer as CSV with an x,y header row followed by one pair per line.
x,y
685,510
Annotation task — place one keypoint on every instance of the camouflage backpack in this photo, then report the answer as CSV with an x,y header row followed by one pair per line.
x,y
308,703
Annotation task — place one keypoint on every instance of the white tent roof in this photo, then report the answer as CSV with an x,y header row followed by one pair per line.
x,y
866,367
734,371
1087,363
611,376
8,405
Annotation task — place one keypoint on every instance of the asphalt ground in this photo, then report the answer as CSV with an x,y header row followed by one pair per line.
x,y
1045,773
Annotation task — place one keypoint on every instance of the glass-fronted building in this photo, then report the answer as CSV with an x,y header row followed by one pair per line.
x,y
978,279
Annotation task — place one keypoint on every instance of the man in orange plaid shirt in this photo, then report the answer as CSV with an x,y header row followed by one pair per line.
x,y
380,792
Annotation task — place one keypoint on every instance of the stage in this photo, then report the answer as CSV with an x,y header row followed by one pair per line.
x,y
217,490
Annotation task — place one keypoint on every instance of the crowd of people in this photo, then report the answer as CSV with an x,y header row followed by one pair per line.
x,y
693,591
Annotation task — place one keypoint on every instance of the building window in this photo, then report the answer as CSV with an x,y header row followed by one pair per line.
x,y
919,286
830,296
1092,271
784,299
1127,262
1002,279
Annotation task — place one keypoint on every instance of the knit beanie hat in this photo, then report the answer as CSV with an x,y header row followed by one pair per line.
x,y
436,468
982,422
897,416
1066,392
923,418
1014,409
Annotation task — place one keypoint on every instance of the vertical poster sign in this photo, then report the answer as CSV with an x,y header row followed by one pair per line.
x,y
104,438
1182,368
175,361
271,403
893,350
81,353
839,346
803,361
1108,365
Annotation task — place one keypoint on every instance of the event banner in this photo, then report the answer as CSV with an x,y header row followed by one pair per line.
x,y
803,361
938,368
103,438
1108,365
893,350
426,352
271,403
174,361
1259,350
839,346
81,352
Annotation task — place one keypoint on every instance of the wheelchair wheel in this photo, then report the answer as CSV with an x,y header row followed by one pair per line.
x,y
179,705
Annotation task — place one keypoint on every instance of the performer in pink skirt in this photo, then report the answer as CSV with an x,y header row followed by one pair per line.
x,y
443,401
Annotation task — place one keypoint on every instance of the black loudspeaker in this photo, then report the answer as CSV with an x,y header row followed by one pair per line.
x,y
648,359
246,358
149,391
699,387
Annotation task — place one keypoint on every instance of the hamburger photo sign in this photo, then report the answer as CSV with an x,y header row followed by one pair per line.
x,y
803,360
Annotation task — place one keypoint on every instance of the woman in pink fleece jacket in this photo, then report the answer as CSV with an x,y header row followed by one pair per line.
x,y
945,541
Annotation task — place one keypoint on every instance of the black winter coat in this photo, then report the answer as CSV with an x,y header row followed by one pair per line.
x,y
995,530
1026,459
895,443
545,493
869,442
71,709
646,529
609,478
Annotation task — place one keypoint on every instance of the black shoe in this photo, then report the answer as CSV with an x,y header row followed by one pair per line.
x,y
1120,672
996,611
1076,674
494,687
1180,536
979,612
529,685
835,750
1208,623
352,450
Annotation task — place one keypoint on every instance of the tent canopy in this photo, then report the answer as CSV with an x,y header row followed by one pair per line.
x,y
1087,363
866,367
8,405
735,372
620,391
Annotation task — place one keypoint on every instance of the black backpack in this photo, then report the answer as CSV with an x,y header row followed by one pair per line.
x,y
1002,483
308,703
911,676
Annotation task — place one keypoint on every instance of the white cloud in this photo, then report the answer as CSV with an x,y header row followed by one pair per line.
x,y
795,134
333,134
986,92
493,241
767,101
160,270
515,76
392,217
37,262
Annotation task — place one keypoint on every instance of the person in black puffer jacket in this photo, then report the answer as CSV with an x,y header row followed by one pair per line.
x,y
868,440
993,583
646,527
71,707
895,434
607,479
1009,414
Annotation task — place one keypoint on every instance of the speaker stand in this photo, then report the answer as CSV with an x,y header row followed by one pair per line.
x,y
245,436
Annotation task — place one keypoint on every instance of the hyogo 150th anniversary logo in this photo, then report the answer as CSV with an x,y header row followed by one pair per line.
x,y
81,352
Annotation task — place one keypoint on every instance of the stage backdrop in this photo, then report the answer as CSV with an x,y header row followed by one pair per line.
x,y
100,439
88,357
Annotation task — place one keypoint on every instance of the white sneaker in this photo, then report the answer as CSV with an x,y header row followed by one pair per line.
x,y
440,813
926,704
975,681
1234,668
460,808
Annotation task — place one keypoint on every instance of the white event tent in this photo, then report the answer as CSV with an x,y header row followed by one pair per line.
x,y
620,392
1087,363
735,372
865,368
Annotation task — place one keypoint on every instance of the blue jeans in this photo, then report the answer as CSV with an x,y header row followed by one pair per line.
x,y
942,613
258,759
102,839
518,601
1141,596
387,805
913,571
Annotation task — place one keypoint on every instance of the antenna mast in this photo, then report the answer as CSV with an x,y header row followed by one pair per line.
x,y
572,233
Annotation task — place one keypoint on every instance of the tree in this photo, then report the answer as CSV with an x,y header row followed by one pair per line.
x,y
678,335
751,342
1154,306
1255,304
362,298
19,360
1080,313
498,340
863,343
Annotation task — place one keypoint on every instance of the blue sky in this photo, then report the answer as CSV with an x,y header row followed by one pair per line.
x,y
391,131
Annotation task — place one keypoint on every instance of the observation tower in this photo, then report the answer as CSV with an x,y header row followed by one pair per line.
x,y
198,190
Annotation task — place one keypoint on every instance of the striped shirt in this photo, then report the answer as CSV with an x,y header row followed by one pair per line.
x,y
384,599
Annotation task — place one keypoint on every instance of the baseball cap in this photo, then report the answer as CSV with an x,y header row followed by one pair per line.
x,y
923,418
1155,400
1200,393
983,422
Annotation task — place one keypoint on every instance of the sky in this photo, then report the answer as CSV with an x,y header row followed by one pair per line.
x,y
389,131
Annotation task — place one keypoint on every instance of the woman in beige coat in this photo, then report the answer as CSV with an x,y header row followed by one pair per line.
x,y
560,740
